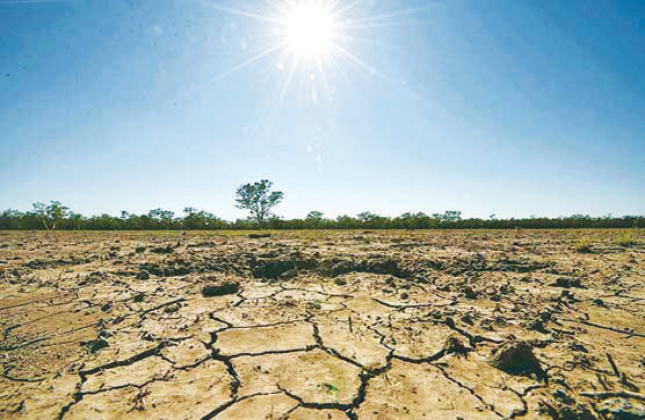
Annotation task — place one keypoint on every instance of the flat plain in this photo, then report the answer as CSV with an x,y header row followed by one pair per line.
x,y
322,325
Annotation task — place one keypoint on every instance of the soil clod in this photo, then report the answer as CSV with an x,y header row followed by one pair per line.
x,y
225,288
517,358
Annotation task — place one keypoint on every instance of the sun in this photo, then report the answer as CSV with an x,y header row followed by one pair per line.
x,y
311,42
309,30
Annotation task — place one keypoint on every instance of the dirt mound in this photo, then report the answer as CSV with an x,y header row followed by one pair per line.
x,y
517,358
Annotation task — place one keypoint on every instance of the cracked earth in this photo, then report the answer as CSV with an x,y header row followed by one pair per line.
x,y
321,325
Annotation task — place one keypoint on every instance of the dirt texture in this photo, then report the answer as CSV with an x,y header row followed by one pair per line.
x,y
322,325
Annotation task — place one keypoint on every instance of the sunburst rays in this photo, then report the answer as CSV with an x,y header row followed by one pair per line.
x,y
330,48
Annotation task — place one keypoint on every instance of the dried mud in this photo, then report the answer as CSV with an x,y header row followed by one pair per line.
x,y
321,325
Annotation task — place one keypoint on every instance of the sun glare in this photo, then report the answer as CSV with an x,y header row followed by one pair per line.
x,y
314,40
309,30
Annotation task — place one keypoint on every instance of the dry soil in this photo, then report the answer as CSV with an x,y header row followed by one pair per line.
x,y
322,325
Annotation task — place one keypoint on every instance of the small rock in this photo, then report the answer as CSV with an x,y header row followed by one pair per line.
x,y
143,275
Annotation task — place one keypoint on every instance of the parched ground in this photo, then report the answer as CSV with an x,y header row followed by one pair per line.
x,y
322,325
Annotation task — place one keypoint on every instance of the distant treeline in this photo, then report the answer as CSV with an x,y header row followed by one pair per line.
x,y
63,219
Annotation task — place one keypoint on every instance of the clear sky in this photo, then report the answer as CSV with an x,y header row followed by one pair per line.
x,y
512,107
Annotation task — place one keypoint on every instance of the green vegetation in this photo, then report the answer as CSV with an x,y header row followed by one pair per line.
x,y
51,214
258,200
625,239
314,217
331,389
158,219
583,246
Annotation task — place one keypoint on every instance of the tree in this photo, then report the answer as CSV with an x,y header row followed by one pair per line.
x,y
408,220
315,216
367,217
162,218
258,199
76,219
199,219
50,214
448,216
161,215
345,222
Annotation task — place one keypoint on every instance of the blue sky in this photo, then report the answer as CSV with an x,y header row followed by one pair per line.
x,y
510,107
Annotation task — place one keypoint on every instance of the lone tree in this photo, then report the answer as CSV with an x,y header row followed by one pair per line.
x,y
258,199
315,216
51,214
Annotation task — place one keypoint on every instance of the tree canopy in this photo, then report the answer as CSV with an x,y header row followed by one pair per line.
x,y
50,214
258,199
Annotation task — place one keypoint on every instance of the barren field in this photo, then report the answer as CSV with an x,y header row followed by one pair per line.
x,y
322,325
